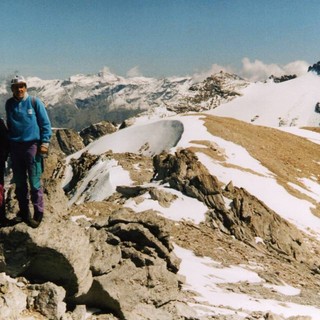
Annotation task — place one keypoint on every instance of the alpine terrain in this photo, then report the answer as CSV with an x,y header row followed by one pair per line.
x,y
170,199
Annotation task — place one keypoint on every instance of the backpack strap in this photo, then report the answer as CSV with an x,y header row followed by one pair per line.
x,y
34,103
35,108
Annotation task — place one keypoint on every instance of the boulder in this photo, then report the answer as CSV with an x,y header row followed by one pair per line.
x,y
148,287
67,141
57,251
96,131
48,300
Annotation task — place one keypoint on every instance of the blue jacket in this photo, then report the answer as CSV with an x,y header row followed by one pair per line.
x,y
27,123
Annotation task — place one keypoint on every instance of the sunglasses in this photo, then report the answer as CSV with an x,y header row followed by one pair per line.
x,y
19,85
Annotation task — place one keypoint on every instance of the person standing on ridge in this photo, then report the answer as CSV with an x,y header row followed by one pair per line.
x,y
3,158
29,132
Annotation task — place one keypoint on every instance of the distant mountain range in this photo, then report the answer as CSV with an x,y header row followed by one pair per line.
x,y
85,99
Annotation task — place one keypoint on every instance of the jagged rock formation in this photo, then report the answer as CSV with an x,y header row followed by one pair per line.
x,y
97,130
214,90
90,265
83,263
246,217
282,78
66,141
315,68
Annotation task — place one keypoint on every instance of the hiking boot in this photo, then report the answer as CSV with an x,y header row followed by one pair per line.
x,y
4,222
36,220
22,216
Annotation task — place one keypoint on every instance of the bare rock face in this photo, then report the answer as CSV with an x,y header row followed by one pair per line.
x,y
149,235
96,131
56,251
68,141
282,78
48,300
124,264
315,68
210,93
246,218
139,266
12,300
79,168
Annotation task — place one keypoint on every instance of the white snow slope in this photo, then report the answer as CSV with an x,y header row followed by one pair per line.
x,y
289,103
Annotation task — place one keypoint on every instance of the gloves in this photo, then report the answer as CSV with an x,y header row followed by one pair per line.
x,y
44,149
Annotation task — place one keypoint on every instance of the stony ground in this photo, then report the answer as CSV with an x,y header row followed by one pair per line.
x,y
289,161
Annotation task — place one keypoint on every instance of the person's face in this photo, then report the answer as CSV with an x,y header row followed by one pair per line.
x,y
19,90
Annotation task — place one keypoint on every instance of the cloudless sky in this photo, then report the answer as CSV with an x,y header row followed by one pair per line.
x,y
59,38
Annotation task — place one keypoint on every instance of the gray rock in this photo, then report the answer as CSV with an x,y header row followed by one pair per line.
x,y
56,251
97,130
247,218
152,286
48,299
104,255
12,298
67,141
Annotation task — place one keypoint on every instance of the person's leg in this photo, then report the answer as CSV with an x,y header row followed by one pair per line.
x,y
35,170
2,193
19,170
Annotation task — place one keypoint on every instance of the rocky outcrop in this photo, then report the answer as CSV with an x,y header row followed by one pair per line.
x,y
282,78
96,131
246,217
84,263
18,295
67,141
42,254
210,93
120,262
137,246
315,68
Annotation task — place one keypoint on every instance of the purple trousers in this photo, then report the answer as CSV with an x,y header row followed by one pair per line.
x,y
2,191
27,168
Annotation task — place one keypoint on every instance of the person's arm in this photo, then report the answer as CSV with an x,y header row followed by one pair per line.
x,y
44,126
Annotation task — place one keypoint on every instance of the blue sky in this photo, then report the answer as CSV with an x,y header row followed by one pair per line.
x,y
155,38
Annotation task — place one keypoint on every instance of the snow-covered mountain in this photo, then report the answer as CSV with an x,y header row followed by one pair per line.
x,y
83,100
289,103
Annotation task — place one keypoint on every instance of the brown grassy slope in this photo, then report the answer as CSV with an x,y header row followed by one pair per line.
x,y
288,156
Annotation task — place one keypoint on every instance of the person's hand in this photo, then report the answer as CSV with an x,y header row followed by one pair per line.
x,y
44,149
